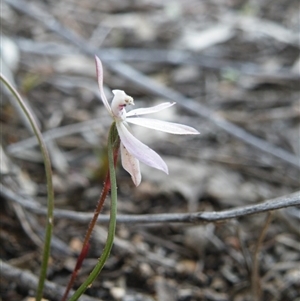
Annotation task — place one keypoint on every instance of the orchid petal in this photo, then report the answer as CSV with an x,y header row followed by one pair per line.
x,y
139,150
164,126
99,70
131,165
150,110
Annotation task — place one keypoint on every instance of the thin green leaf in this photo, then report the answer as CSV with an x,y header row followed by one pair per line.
x,y
113,146
50,193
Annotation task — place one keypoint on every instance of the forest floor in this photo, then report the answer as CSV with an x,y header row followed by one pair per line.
x,y
233,69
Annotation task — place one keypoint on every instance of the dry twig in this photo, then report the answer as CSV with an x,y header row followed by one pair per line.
x,y
195,218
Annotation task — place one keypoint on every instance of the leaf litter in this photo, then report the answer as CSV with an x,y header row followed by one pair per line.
x,y
212,172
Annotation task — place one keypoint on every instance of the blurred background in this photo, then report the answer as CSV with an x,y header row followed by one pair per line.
x,y
219,60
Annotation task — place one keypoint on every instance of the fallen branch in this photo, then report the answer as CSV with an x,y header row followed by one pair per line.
x,y
192,218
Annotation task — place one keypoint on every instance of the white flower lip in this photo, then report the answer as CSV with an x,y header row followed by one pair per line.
x,y
133,150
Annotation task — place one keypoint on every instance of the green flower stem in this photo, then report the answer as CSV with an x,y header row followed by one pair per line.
x,y
50,193
113,146
86,245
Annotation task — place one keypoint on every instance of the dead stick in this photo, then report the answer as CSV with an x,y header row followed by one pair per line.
x,y
195,218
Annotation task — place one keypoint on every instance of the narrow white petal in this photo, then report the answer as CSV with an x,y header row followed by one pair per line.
x,y
164,126
150,110
139,150
131,165
99,70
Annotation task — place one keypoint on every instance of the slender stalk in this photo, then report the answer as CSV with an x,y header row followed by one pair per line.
x,y
85,245
50,193
113,147
255,279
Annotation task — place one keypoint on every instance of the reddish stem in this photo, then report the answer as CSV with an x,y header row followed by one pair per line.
x,y
86,245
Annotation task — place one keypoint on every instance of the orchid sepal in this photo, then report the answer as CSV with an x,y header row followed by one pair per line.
x,y
99,71
164,126
139,150
131,165
150,110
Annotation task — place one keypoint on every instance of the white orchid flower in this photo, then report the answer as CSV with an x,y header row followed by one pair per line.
x,y
133,150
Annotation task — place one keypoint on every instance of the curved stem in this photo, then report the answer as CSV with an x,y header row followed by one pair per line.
x,y
86,245
255,279
50,193
113,147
